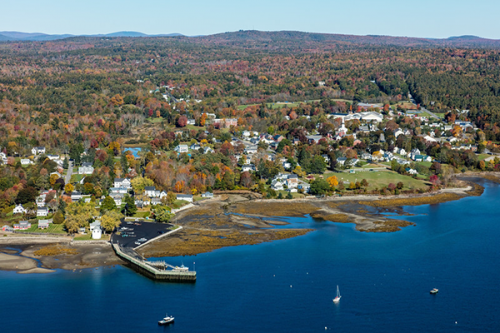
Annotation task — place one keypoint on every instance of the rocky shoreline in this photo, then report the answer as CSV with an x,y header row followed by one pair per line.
x,y
233,220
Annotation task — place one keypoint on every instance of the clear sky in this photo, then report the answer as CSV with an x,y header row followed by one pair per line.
x,y
420,18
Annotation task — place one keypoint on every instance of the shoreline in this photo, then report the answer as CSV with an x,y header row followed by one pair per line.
x,y
233,220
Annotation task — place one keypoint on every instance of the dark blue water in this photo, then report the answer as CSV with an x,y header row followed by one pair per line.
x,y
288,285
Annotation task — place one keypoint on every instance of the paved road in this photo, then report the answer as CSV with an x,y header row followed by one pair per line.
x,y
429,112
67,178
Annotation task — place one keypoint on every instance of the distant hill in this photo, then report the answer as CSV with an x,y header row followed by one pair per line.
x,y
284,36
23,36
248,37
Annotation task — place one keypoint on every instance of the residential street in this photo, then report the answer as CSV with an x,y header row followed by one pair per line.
x,y
67,178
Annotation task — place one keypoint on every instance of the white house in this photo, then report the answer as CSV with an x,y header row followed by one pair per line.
x,y
40,201
277,185
86,169
25,161
152,192
95,228
42,211
248,167
75,195
207,150
19,209
181,149
53,157
194,146
44,224
38,150
122,182
185,197
207,195
116,190
117,198
250,150
411,171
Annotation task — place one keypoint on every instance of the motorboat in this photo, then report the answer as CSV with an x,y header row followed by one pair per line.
x,y
434,291
167,320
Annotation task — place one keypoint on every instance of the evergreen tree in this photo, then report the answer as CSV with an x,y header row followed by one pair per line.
x,y
130,207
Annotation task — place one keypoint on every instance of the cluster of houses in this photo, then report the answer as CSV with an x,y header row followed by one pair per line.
x,y
288,181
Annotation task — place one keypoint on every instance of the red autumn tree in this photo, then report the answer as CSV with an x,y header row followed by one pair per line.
x,y
182,121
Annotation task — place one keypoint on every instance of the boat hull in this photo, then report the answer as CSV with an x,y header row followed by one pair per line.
x,y
165,322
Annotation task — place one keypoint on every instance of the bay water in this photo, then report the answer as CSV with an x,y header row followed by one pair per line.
x,y
288,285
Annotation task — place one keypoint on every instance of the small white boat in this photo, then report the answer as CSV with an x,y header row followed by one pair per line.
x,y
434,291
338,297
167,320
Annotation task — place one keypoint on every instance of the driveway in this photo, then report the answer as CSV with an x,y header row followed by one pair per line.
x,y
67,178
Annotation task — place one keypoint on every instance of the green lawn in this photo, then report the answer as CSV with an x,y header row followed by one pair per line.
x,y
425,164
53,229
88,236
155,120
75,178
482,157
196,128
142,214
295,195
179,203
379,179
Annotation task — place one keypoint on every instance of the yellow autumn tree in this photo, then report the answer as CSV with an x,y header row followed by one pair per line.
x,y
117,100
69,188
114,145
53,179
333,181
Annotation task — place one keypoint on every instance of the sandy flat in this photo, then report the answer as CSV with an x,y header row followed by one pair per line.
x,y
36,270
11,262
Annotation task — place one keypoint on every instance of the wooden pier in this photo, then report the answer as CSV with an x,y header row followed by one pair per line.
x,y
157,270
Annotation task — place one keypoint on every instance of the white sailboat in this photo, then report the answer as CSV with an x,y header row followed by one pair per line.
x,y
337,298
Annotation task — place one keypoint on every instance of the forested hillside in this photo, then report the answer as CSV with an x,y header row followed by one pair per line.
x,y
102,88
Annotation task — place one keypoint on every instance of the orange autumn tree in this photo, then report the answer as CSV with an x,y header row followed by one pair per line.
x,y
203,119
179,186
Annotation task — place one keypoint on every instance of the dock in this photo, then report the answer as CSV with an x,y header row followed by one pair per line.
x,y
156,270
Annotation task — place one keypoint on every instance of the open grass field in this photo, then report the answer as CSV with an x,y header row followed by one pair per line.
x,y
53,229
406,105
482,157
290,104
379,179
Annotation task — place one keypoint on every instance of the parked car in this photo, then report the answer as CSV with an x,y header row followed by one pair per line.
x,y
137,243
142,240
